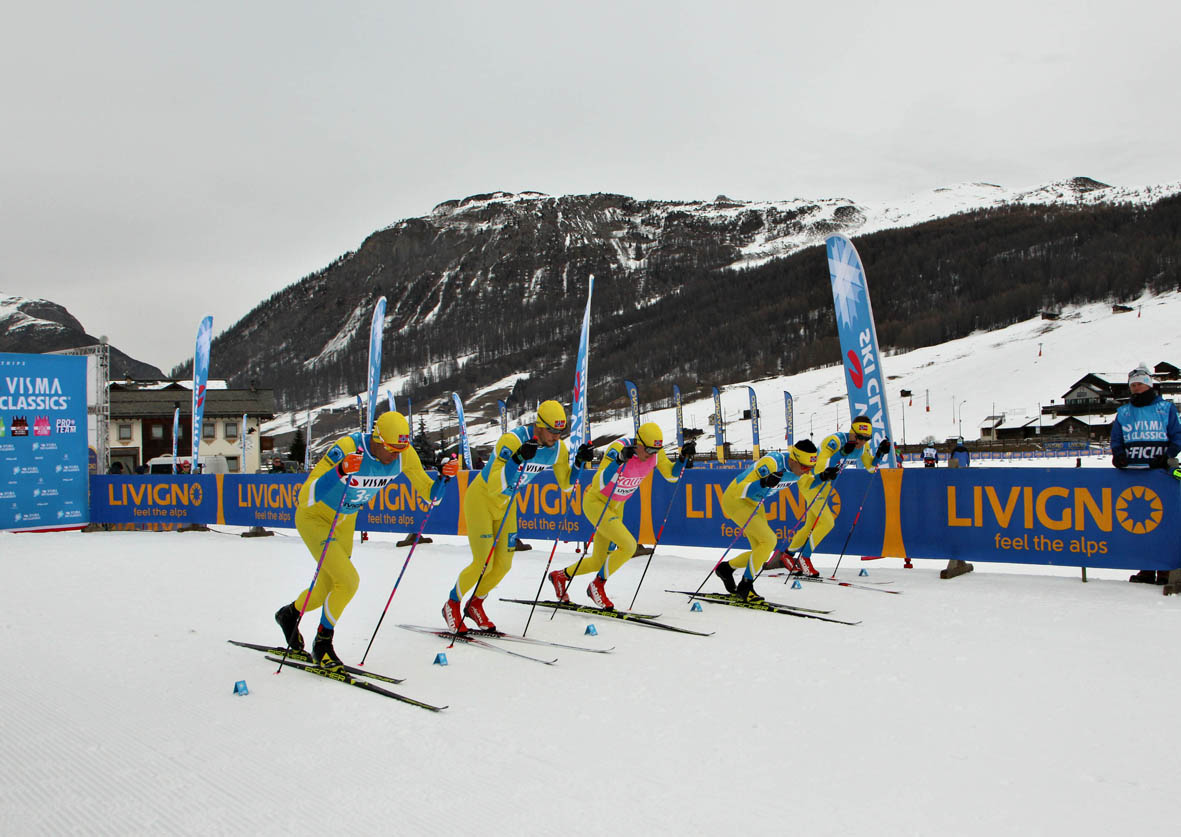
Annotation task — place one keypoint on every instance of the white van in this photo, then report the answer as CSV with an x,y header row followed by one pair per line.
x,y
215,464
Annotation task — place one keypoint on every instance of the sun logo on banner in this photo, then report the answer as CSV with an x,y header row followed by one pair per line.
x,y
195,494
834,503
1139,510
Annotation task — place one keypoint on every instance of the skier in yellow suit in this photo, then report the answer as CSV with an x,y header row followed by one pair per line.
x,y
625,466
742,502
819,522
349,475
489,510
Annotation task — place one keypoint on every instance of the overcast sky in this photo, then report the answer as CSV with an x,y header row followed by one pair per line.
x,y
163,161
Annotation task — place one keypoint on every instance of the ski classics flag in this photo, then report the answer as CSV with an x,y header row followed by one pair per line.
x,y
360,414
579,422
307,446
754,421
463,445
175,436
788,419
719,440
633,398
375,330
389,397
859,339
200,379
680,421
242,461
502,408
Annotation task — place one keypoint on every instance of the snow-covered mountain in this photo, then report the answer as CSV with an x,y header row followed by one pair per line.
x,y
1010,372
692,292
38,325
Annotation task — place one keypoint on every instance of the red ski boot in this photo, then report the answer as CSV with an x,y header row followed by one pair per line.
x,y
598,593
561,581
453,617
474,610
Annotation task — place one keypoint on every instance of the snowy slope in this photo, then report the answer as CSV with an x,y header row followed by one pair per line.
x,y
995,703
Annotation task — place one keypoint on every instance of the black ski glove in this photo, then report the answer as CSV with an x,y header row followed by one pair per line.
x,y
849,447
688,451
525,452
1119,460
883,449
627,453
829,474
584,455
1159,461
769,481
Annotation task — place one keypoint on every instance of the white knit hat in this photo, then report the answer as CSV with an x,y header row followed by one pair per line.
x,y
1140,375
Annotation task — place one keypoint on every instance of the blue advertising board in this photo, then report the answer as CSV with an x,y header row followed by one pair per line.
x,y
1093,517
43,446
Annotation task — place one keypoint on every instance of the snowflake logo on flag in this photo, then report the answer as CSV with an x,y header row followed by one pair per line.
x,y
847,281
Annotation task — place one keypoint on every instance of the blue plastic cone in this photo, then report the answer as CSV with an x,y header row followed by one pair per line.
x,y
696,607
591,630
795,585
240,688
864,571
440,659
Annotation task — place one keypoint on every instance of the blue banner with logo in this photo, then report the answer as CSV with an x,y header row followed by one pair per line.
x,y
680,419
502,411
464,448
754,422
200,379
43,451
579,417
633,399
1091,517
864,379
789,419
376,327
719,435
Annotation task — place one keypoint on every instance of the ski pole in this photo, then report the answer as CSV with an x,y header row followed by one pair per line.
x,y
323,554
544,573
659,533
856,517
803,520
398,581
582,557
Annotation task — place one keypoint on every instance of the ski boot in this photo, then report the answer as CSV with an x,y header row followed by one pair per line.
x,y
726,573
288,619
323,654
789,562
745,591
597,590
474,610
806,567
561,581
453,617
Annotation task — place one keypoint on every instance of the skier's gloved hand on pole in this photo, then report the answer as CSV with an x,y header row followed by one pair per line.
x,y
1159,461
1120,460
849,447
525,452
883,449
350,465
450,468
770,481
585,454
688,451
829,473
627,453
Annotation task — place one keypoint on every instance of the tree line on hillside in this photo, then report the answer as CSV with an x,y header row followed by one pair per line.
x,y
681,319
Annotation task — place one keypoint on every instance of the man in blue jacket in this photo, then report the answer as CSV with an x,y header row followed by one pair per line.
x,y
1146,433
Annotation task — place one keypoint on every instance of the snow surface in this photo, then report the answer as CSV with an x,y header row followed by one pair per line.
x,y
1009,701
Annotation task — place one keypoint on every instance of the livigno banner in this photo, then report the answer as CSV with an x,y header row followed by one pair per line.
x,y
43,452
